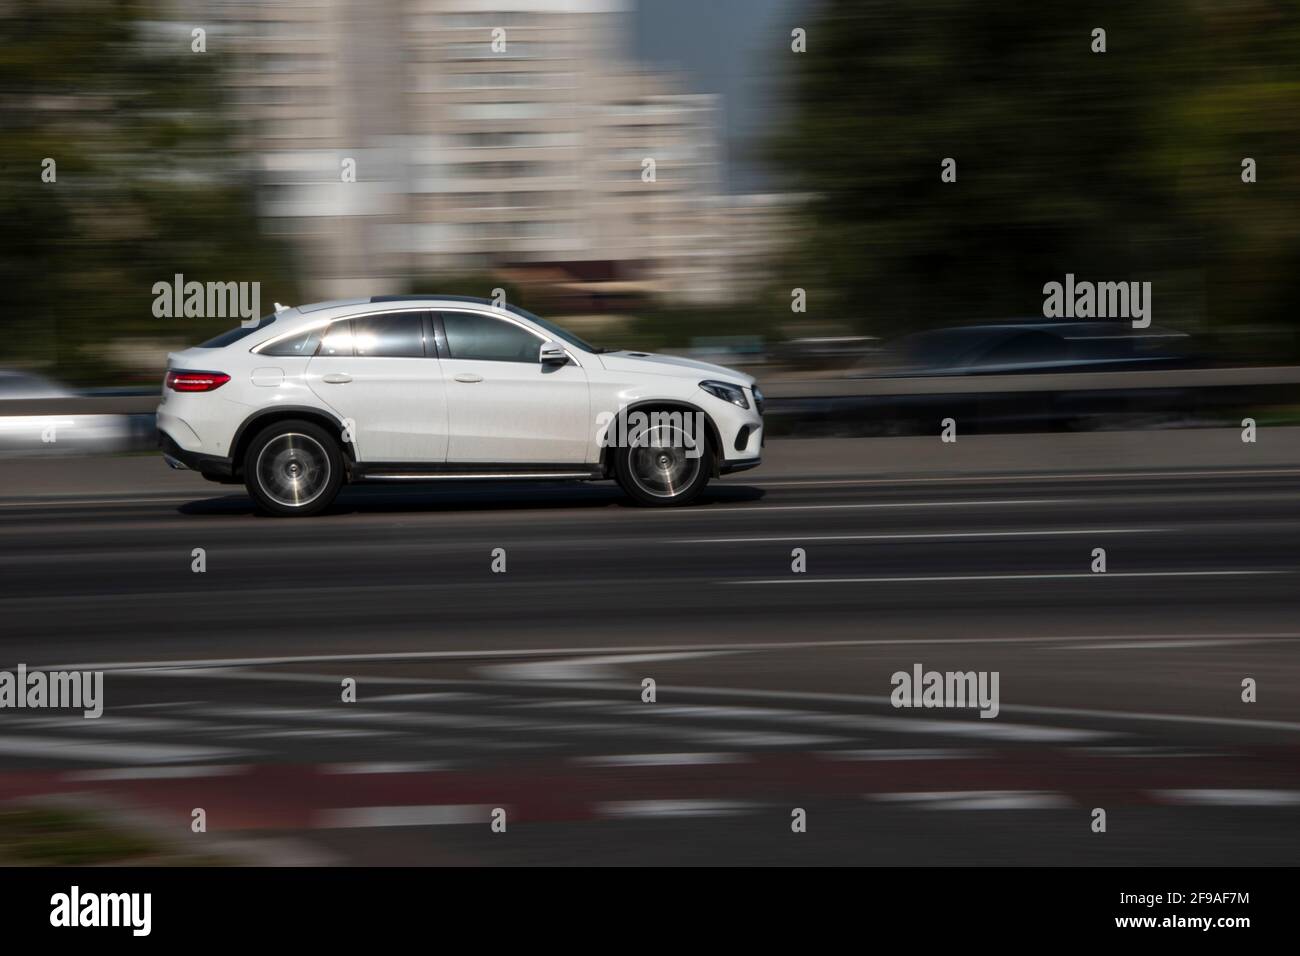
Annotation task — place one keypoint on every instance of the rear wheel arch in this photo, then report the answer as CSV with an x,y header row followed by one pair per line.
x,y
260,421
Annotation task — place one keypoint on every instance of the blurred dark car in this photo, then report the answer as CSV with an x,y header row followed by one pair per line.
x,y
1014,347
1042,347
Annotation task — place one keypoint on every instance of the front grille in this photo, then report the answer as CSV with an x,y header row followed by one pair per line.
x,y
758,399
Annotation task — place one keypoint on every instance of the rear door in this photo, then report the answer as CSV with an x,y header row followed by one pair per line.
x,y
503,404
380,372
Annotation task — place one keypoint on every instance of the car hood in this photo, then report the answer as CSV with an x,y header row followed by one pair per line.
x,y
674,365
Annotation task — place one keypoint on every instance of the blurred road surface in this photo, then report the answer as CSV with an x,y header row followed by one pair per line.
x,y
522,690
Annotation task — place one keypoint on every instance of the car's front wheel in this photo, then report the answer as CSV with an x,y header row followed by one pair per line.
x,y
659,466
293,468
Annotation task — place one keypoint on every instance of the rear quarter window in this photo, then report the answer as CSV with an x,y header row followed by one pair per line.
x,y
234,335
303,345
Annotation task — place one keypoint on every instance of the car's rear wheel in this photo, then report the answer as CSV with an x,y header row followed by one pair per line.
x,y
293,468
661,466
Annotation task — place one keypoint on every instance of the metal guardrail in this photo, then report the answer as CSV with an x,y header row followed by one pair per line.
x,y
1056,382
986,404
83,405
887,406
147,402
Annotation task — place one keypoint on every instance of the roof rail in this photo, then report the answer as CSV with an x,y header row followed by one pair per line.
x,y
422,298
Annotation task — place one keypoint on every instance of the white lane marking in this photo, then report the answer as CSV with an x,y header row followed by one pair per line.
x,y
1231,798
659,760
1056,476
878,505
378,767
765,738
1185,753
441,696
1031,731
330,734
861,699
218,665
633,809
583,668
26,559
838,722
1149,645
991,729
109,723
408,722
920,536
711,711
42,502
247,594
432,815
904,579
977,800
314,592
70,748
157,773
558,703
866,722
159,705
352,714
919,753
218,671
241,729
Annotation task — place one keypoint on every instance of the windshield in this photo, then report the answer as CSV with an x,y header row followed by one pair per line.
x,y
557,331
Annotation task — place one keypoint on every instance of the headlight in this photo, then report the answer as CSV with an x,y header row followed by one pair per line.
x,y
728,393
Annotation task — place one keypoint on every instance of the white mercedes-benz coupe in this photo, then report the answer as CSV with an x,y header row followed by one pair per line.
x,y
434,388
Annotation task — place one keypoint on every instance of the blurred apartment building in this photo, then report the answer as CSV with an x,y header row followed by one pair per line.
x,y
507,136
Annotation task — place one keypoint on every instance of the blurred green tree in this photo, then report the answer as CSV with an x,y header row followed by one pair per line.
x,y
148,184
1121,166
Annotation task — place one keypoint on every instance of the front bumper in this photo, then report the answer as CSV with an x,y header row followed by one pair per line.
x,y
739,464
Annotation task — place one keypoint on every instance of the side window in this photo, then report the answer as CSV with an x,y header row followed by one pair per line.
x,y
397,335
301,345
338,339
471,336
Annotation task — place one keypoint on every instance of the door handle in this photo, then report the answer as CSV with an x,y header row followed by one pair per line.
x,y
337,378
468,377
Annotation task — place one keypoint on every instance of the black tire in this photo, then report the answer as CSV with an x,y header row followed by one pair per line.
x,y
289,460
663,477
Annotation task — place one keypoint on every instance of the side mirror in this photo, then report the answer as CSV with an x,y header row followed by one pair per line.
x,y
552,353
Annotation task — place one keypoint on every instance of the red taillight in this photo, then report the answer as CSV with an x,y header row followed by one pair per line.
x,y
180,380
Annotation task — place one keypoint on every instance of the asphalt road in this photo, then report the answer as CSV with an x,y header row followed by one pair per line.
x,y
522,690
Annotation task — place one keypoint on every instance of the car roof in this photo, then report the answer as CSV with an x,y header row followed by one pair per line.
x,y
432,298
429,300
289,320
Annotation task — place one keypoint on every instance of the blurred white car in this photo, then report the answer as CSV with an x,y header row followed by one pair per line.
x,y
29,429
411,388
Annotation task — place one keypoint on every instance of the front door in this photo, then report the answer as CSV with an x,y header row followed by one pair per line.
x,y
503,404
374,371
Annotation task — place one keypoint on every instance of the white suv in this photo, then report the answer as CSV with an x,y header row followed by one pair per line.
x,y
414,388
